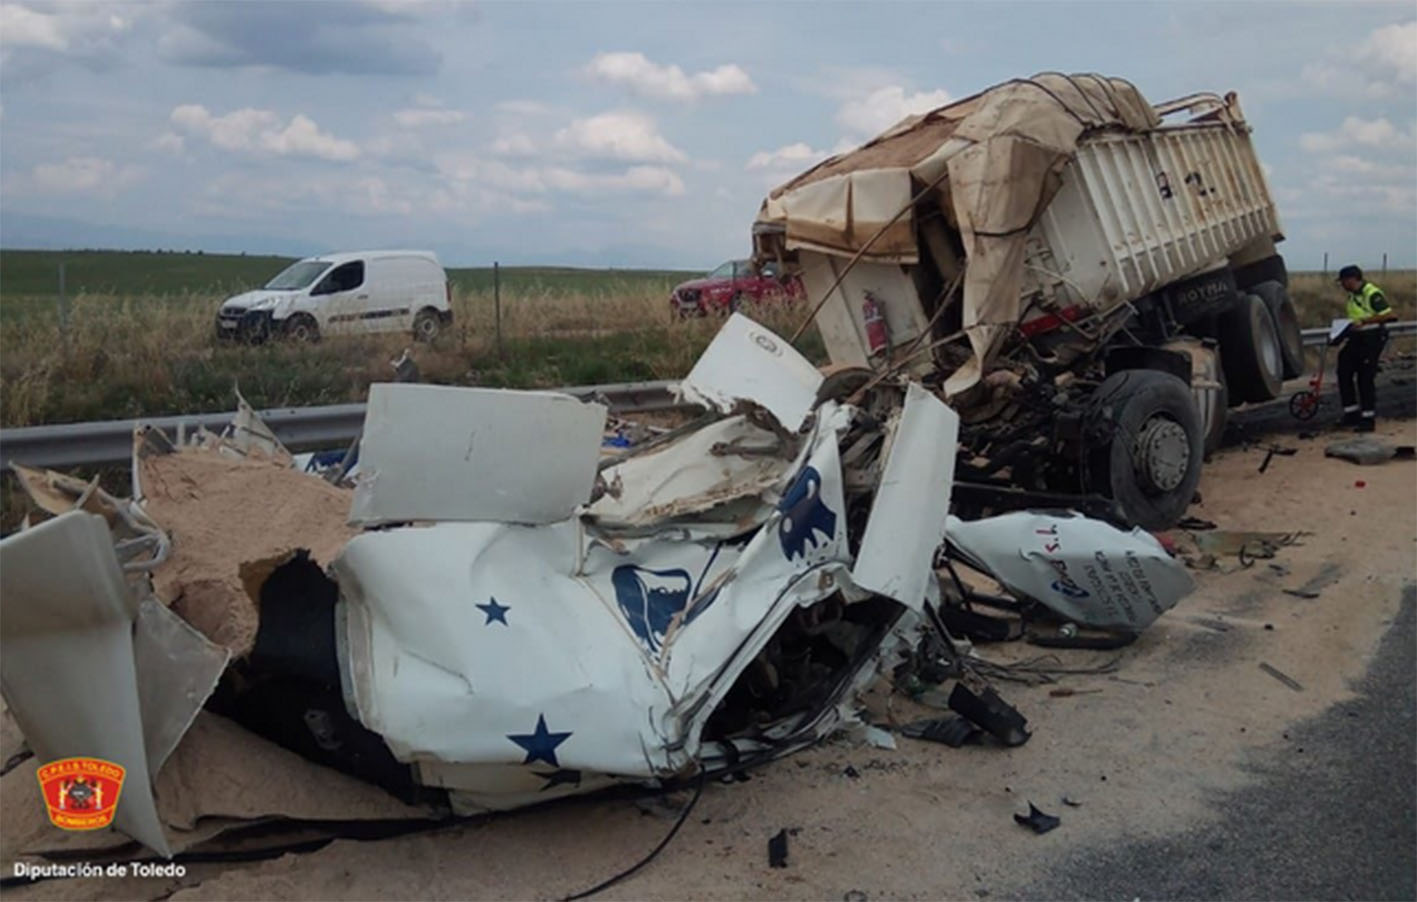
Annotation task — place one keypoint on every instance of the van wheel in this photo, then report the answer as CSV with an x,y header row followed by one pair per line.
x,y
427,324
302,328
1286,325
1150,461
1250,350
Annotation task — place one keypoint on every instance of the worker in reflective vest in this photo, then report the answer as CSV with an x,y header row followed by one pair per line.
x,y
1368,310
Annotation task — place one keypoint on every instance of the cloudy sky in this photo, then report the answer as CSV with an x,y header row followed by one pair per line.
x,y
625,134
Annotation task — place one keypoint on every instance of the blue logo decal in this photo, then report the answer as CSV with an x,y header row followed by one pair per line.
x,y
804,515
650,599
1070,589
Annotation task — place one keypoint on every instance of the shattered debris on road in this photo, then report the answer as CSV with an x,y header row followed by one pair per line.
x,y
471,635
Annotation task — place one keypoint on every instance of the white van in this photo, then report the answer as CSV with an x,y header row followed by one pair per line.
x,y
342,294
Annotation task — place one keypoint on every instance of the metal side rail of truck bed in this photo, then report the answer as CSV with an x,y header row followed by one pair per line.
x,y
299,428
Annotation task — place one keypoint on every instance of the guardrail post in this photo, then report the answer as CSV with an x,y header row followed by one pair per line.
x,y
63,304
497,302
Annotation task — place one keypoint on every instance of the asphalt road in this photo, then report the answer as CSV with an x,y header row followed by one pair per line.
x,y
1397,400
1332,816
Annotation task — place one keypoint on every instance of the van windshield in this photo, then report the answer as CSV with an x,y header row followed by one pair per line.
x,y
298,275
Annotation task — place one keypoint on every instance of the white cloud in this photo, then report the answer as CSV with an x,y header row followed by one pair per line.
x,y
21,26
302,137
880,109
649,179
171,142
523,108
468,169
1383,65
628,136
641,75
797,154
83,175
1394,47
515,144
1363,166
259,131
419,117
1376,133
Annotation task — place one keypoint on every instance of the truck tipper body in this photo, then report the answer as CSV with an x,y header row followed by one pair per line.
x,y
1088,279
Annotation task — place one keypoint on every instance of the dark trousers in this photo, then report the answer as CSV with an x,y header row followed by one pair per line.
x,y
1358,363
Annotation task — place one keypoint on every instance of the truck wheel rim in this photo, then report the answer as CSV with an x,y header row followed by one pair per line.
x,y
1162,454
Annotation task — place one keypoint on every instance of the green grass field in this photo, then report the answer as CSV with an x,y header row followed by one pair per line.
x,y
28,278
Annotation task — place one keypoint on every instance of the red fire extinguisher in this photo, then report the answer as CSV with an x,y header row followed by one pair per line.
x,y
877,336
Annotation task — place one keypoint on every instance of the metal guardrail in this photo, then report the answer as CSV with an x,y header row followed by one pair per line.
x,y
1317,338
299,428
315,428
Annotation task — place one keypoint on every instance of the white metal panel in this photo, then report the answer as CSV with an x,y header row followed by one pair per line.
x,y
840,319
907,519
66,657
435,452
1137,212
746,361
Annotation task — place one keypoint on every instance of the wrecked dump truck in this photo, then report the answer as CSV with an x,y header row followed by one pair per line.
x,y
1089,280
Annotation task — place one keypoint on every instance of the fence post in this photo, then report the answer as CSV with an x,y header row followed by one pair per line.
x,y
63,303
497,302
1384,263
1325,264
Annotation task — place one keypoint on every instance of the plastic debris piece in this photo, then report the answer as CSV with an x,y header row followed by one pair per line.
x,y
995,715
1036,820
1071,803
953,731
1282,677
1368,451
777,850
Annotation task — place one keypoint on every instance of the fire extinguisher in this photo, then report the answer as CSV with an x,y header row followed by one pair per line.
x,y
877,336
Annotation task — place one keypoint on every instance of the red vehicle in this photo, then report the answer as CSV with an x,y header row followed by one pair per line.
x,y
737,280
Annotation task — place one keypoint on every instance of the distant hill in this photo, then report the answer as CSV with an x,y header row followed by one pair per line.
x,y
35,273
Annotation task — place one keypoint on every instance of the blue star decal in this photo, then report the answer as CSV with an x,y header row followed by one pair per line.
x,y
496,613
540,745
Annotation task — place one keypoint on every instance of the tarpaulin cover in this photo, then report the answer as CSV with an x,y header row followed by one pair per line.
x,y
997,159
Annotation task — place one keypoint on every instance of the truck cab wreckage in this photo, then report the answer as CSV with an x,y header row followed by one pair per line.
x,y
509,612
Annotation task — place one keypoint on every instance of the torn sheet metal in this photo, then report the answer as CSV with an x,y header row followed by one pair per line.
x,y
575,657
433,452
248,433
720,478
915,488
176,669
66,657
1085,570
747,362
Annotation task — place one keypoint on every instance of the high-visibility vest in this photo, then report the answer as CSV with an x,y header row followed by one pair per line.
x,y
1360,303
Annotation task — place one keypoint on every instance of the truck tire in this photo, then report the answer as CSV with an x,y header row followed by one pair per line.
x,y
1270,269
1150,461
1249,351
1286,325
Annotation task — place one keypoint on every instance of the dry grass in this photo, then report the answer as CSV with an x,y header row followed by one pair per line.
x,y
149,356
1319,300
152,355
